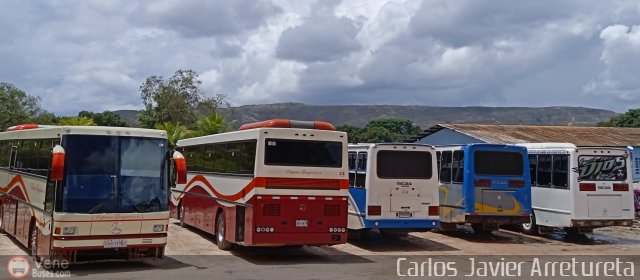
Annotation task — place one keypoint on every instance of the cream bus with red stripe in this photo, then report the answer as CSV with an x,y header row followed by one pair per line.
x,y
80,193
271,183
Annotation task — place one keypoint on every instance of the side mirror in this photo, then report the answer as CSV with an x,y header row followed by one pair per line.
x,y
57,163
181,167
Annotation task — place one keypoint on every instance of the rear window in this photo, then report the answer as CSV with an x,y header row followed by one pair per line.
x,y
404,165
303,153
602,168
498,163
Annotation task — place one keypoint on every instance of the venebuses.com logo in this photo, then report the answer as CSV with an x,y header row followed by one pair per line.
x,y
18,267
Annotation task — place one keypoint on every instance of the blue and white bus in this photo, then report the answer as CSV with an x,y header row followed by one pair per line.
x,y
392,188
485,185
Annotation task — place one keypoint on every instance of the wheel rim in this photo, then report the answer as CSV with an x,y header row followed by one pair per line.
x,y
34,242
527,226
181,214
220,233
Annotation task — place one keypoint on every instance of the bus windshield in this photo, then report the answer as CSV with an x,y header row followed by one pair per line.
x,y
498,163
287,152
404,165
107,174
602,168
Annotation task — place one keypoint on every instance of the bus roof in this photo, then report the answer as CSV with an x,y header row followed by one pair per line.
x,y
254,133
51,131
548,145
368,145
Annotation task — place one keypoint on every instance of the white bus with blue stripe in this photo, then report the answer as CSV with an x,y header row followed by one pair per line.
x,y
393,187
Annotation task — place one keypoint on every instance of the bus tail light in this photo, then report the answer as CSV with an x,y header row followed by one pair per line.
x,y
620,187
587,187
181,167
374,210
482,183
516,183
57,163
434,210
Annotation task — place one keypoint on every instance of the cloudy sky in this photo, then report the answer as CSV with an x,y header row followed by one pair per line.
x,y
93,55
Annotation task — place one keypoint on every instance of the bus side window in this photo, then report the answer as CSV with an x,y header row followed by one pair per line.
x,y
352,168
445,167
544,171
533,169
458,167
361,169
560,171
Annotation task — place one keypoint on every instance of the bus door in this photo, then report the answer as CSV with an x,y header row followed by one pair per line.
x,y
604,185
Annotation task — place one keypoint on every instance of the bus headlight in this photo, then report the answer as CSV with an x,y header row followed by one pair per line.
x,y
68,230
158,228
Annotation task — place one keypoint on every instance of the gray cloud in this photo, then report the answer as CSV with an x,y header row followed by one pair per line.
x,y
93,55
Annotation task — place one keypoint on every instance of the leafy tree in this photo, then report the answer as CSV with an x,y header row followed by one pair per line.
x,y
16,106
354,133
378,134
78,121
213,124
629,119
45,118
175,132
106,118
396,126
178,99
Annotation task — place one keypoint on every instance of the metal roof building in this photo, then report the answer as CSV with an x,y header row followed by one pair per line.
x,y
452,134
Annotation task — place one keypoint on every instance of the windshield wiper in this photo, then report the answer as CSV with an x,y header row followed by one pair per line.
x,y
131,202
102,202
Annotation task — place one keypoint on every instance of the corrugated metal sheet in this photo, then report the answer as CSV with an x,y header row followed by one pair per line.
x,y
580,136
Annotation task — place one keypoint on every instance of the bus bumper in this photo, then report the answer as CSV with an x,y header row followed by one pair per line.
x,y
78,249
414,225
291,239
600,223
490,219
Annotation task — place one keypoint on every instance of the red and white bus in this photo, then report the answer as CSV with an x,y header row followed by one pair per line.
x,y
272,183
76,193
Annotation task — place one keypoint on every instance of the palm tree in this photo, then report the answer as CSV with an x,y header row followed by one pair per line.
x,y
77,121
175,132
213,124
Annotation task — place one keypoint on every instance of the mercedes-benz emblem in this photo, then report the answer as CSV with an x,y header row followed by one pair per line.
x,y
116,228
303,208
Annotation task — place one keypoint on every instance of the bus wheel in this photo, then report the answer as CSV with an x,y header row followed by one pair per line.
x,y
34,243
222,243
1,218
530,228
181,215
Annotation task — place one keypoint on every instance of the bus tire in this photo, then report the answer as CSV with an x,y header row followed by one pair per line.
x,y
530,228
33,242
181,215
1,219
222,243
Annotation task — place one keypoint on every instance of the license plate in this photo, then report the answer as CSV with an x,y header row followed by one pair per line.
x,y
405,214
302,223
115,243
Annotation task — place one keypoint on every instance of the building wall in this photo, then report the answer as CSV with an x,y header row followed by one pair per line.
x,y
448,137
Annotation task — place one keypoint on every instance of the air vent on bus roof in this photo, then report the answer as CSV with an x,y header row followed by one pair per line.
x,y
280,123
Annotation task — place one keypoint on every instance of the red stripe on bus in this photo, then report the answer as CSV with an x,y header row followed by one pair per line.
x,y
98,237
18,182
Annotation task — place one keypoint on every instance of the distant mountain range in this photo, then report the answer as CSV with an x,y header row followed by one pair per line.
x,y
424,116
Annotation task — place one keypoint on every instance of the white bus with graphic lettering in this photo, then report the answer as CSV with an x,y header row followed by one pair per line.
x,y
271,183
579,188
80,193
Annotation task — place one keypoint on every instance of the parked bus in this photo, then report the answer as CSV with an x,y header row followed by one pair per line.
x,y
272,183
393,188
485,185
73,193
579,189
